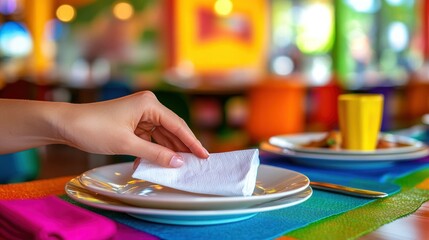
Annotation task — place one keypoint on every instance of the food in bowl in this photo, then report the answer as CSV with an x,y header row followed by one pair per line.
x,y
332,140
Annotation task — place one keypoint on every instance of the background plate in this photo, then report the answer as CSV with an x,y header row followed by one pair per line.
x,y
294,142
344,161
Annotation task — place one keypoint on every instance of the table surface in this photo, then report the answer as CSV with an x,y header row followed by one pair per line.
x,y
413,226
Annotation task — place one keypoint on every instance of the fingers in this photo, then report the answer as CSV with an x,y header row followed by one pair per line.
x,y
172,133
153,152
167,139
178,128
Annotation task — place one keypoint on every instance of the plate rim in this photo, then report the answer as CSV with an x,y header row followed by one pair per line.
x,y
349,158
418,145
126,208
203,200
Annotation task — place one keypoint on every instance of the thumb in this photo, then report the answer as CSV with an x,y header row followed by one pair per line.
x,y
153,152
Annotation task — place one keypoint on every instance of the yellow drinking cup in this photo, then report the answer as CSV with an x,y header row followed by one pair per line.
x,y
360,118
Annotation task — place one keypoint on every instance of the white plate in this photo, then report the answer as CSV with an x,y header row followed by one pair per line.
x,y
115,181
182,217
344,161
295,141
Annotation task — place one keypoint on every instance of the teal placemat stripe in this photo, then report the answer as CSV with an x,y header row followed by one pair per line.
x,y
304,218
266,225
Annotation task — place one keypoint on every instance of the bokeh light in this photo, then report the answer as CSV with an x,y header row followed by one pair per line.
x,y
66,13
283,65
320,70
223,7
364,6
315,29
123,10
8,6
15,40
79,73
398,36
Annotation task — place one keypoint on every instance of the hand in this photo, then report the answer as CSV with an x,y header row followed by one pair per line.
x,y
127,126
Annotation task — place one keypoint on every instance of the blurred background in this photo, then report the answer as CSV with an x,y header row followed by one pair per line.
x,y
236,71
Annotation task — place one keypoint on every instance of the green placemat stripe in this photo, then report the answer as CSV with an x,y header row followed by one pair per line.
x,y
413,179
363,220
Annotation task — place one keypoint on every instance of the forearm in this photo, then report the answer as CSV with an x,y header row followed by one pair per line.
x,y
120,126
26,124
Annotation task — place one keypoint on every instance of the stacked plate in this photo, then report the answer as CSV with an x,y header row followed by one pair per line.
x,y
292,147
112,188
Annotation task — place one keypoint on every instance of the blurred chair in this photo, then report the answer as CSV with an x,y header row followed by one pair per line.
x,y
417,100
323,107
276,106
388,92
20,166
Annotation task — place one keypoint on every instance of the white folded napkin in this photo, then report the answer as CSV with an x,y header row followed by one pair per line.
x,y
227,174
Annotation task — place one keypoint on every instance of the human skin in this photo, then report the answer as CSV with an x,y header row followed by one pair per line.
x,y
137,125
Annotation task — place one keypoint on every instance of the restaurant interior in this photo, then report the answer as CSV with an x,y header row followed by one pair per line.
x,y
238,72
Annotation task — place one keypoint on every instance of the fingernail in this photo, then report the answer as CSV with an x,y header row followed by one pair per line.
x,y
176,161
207,152
136,163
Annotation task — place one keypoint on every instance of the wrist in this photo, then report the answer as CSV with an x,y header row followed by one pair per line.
x,y
28,124
56,118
